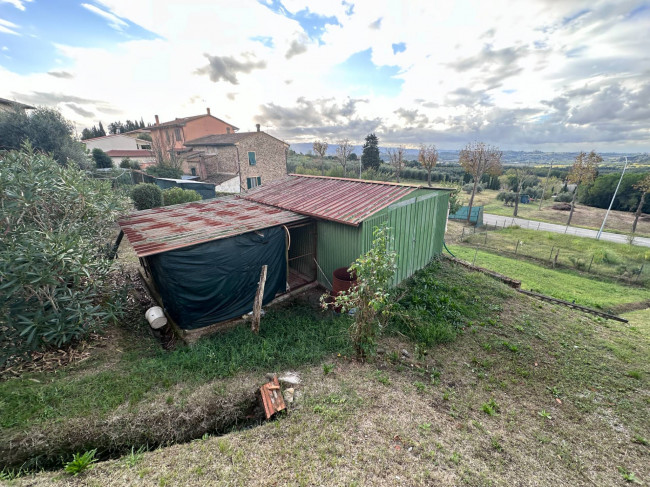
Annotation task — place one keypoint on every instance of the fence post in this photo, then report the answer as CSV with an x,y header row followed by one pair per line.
x,y
463,235
640,271
551,256
475,257
555,261
517,247
590,262
485,243
538,224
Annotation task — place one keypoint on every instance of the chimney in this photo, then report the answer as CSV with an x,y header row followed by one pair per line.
x,y
258,126
208,110
157,120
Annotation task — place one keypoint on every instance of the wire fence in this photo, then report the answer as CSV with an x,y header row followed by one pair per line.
x,y
602,262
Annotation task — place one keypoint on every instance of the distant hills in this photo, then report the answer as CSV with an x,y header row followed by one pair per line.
x,y
509,157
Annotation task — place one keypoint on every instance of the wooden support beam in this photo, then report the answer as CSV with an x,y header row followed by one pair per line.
x,y
257,304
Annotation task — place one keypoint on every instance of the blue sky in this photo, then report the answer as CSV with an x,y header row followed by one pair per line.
x,y
45,23
539,74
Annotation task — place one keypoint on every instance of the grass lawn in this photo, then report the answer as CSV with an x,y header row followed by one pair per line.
x,y
529,394
584,216
562,284
609,258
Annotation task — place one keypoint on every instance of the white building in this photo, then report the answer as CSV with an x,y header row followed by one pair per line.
x,y
117,142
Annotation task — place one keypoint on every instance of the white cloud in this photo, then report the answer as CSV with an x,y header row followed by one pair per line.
x,y
114,21
7,27
520,74
19,4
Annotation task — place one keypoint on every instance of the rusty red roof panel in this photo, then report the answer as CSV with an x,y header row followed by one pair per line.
x,y
173,227
348,201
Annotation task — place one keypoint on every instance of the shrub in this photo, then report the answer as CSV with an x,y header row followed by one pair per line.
x,y
129,164
470,186
175,196
369,297
53,261
564,197
102,160
146,196
164,171
508,197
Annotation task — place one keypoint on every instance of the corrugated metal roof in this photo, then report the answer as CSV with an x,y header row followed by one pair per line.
x,y
348,201
172,227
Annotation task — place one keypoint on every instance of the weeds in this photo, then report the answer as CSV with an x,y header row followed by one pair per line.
x,y
81,462
135,457
327,368
490,408
628,476
544,414
634,374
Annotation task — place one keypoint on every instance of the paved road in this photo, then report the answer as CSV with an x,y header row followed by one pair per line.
x,y
500,221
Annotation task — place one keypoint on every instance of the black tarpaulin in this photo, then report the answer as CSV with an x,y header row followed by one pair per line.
x,y
216,281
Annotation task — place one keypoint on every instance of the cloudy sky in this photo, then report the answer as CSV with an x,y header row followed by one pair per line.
x,y
546,75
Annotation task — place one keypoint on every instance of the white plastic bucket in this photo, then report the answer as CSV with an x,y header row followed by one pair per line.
x,y
156,317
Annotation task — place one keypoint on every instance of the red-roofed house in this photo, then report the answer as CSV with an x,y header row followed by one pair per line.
x,y
173,134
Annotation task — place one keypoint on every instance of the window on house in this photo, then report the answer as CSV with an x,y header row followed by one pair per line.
x,y
253,182
251,158
177,132
227,130
193,169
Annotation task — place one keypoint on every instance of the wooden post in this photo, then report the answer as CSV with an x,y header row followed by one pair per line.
x,y
463,235
591,262
555,261
474,261
257,304
485,243
517,247
551,256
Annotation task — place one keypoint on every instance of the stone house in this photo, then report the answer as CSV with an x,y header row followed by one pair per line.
x,y
240,161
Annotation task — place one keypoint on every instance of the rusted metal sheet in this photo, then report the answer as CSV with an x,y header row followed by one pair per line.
x,y
348,201
172,227
272,398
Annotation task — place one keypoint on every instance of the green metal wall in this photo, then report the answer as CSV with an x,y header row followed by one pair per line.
x,y
338,246
418,229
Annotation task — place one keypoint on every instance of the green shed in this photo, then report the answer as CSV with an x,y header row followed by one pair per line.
x,y
344,214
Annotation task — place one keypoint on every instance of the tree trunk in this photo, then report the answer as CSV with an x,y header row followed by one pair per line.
x,y
322,167
517,200
573,205
639,210
429,178
471,200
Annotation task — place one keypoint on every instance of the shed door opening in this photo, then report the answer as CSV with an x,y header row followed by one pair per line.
x,y
302,252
